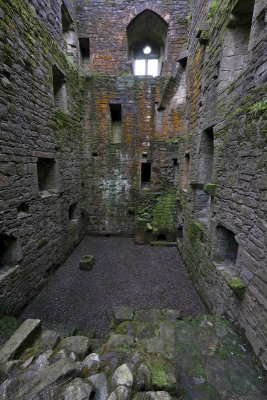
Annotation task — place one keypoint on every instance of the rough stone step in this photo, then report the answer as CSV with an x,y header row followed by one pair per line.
x,y
56,372
163,243
63,330
23,335
190,358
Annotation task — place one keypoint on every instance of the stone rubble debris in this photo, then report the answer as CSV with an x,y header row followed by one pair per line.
x,y
186,358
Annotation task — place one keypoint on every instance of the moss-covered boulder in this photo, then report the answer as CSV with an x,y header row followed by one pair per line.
x,y
238,286
87,262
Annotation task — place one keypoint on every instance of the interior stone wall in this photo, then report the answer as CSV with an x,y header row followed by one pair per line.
x,y
236,191
95,185
31,128
115,199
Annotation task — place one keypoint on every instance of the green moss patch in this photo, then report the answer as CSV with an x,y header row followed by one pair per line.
x,y
159,376
196,233
213,9
210,188
8,325
163,215
238,286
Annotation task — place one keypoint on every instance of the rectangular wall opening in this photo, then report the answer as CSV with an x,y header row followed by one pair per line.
x,y
85,51
47,176
186,172
176,171
10,253
73,212
59,90
145,175
115,119
69,34
235,48
260,24
23,209
201,205
66,19
206,156
226,248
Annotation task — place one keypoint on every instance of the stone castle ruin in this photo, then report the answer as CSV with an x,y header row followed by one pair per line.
x,y
142,119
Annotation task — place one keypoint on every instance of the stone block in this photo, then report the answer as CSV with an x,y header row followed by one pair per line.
x,y
148,315
172,314
202,26
238,287
117,341
77,390
87,262
120,393
79,345
23,335
122,314
49,339
56,372
100,384
91,363
122,376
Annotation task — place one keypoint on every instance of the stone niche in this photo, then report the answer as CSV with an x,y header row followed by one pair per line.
x,y
10,251
47,174
226,249
73,212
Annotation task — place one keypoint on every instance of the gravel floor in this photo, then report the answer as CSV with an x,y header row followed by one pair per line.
x,y
124,274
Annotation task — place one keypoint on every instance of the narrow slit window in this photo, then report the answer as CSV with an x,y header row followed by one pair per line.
x,y
73,212
85,51
206,156
186,172
66,19
115,118
145,175
176,171
59,90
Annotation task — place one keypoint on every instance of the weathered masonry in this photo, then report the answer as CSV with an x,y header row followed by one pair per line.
x,y
144,118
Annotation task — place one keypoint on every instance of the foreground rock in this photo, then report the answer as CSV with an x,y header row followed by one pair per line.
x,y
122,376
77,390
79,345
100,384
153,356
20,338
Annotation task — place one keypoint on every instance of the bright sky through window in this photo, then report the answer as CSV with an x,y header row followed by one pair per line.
x,y
140,67
152,68
146,67
147,50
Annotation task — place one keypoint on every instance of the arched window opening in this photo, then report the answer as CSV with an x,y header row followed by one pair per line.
x,y
147,35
